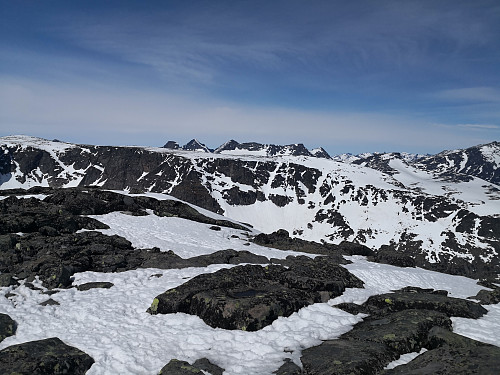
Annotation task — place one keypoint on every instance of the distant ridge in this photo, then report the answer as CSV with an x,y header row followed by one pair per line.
x,y
233,147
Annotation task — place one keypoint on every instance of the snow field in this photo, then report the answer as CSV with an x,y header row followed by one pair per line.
x,y
185,237
485,329
113,327
476,192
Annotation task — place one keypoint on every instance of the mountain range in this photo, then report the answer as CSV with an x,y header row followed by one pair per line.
x,y
247,259
442,210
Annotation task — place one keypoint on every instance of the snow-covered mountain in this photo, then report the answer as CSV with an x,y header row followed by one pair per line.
x,y
256,149
481,161
379,160
450,225
157,263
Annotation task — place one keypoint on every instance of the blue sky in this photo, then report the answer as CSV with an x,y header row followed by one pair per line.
x,y
351,76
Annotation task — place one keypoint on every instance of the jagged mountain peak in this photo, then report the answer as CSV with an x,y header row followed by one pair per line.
x,y
172,145
258,149
195,145
320,152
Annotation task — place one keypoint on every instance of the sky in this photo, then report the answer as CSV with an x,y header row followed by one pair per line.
x,y
350,76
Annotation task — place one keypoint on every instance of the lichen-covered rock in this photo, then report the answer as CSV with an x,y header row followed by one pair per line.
x,y
281,240
49,302
176,367
488,297
252,297
416,298
44,357
288,368
7,326
347,357
403,331
373,343
398,323
452,354
94,285
205,365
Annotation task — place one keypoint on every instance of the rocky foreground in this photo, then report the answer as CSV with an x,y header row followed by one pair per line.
x,y
49,238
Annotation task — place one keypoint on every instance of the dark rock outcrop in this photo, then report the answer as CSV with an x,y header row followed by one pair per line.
x,y
394,258
281,240
252,297
7,326
195,145
205,365
50,248
345,357
173,145
488,297
452,354
176,367
49,356
50,302
417,298
94,285
402,322
288,368
56,259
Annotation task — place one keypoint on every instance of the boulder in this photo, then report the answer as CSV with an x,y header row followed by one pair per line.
x,y
387,255
49,356
93,285
418,298
288,368
50,302
452,354
251,297
488,297
6,279
347,357
7,326
205,365
176,367
200,366
281,240
403,331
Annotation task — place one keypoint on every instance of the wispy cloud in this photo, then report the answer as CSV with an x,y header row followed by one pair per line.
x,y
93,116
471,94
479,126
322,38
